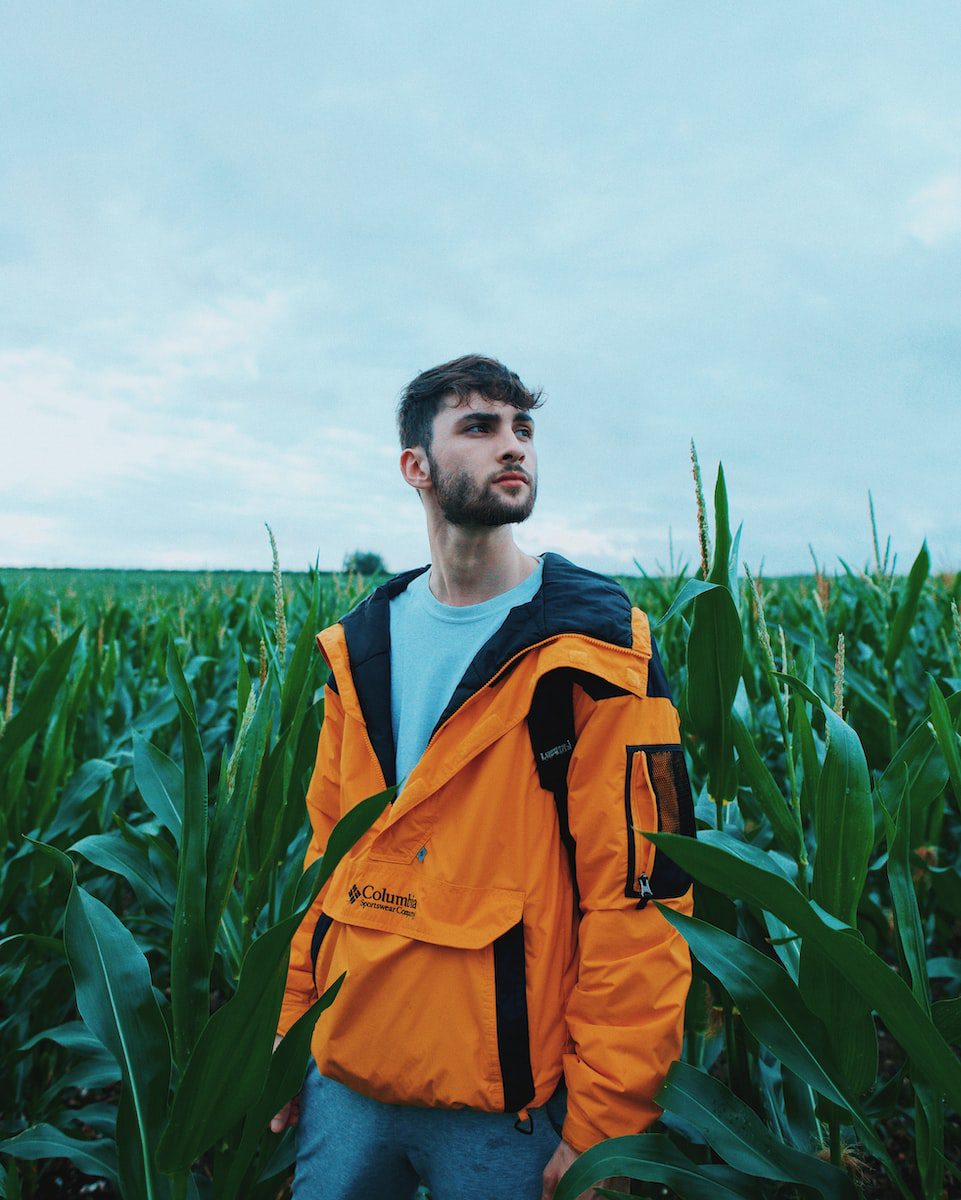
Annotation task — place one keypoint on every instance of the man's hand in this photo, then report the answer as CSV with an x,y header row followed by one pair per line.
x,y
290,1113
561,1159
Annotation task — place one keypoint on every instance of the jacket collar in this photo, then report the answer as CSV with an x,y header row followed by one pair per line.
x,y
571,599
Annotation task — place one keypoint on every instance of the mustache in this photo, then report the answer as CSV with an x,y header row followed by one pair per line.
x,y
505,474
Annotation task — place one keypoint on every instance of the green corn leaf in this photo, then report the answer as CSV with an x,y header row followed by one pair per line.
x,y
844,816
72,1035
691,589
844,822
244,685
754,772
349,829
299,670
907,606
261,837
285,1078
844,827
85,782
100,1116
947,1018
230,817
97,1158
947,886
161,783
721,565
44,794
113,852
928,1111
218,1086
927,769
40,699
906,913
189,958
97,1070
944,730
732,566
769,1002
740,1137
117,1003
929,1139
802,735
772,1007
715,648
654,1158
743,871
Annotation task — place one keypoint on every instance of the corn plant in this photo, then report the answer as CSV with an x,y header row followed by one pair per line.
x,y
158,735
176,941
818,901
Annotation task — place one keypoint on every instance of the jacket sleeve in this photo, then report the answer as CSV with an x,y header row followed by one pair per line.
x,y
323,808
625,1015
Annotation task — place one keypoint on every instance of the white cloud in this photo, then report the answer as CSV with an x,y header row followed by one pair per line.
x,y
76,425
936,210
553,531
27,537
219,341
75,429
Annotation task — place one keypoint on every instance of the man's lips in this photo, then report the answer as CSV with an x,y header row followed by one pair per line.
x,y
511,479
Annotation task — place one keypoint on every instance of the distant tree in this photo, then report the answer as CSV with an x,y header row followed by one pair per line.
x,y
365,562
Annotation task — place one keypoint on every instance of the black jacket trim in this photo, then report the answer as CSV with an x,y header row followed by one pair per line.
x,y
320,932
367,631
510,1003
657,684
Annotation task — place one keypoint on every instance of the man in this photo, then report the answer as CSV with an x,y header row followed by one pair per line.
x,y
511,996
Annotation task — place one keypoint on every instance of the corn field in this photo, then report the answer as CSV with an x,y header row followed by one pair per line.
x,y
158,734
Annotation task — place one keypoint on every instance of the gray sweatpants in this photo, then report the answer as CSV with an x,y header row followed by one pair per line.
x,y
350,1147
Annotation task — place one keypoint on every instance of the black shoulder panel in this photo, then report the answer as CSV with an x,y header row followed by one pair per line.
x,y
657,684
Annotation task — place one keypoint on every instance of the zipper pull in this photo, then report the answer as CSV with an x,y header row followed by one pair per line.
x,y
525,1121
646,891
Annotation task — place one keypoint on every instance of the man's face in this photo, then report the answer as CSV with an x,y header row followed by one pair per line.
x,y
482,462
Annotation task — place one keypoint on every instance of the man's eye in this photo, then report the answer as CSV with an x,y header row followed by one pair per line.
x,y
525,429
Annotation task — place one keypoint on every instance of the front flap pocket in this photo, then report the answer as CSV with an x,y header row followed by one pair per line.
x,y
402,899
657,796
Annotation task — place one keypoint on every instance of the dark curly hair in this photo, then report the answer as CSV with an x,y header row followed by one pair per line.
x,y
421,399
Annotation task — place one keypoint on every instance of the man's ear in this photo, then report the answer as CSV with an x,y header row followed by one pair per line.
x,y
415,468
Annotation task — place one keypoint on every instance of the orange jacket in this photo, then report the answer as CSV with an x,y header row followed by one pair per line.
x,y
473,976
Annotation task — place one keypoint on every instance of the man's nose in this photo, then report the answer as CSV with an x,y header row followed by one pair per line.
x,y
514,449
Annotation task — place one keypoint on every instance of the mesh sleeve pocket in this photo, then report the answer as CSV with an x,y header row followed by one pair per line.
x,y
663,769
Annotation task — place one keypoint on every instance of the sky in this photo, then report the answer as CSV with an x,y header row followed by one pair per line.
x,y
230,233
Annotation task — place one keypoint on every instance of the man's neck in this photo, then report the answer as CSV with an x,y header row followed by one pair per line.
x,y
469,566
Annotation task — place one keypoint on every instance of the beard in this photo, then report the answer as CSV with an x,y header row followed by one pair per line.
x,y
464,502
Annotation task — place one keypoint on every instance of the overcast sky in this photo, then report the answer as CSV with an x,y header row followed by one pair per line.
x,y
231,233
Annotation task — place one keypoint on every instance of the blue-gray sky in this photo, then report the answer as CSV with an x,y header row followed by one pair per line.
x,y
231,233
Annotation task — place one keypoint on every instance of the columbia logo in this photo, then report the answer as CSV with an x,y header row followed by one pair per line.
x,y
554,751
354,894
